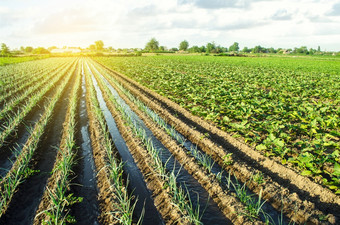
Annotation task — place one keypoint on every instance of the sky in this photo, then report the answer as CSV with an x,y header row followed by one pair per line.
x,y
132,23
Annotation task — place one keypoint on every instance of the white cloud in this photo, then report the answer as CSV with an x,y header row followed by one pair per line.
x,y
131,23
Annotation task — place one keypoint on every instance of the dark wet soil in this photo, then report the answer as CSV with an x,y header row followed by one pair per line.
x,y
85,184
25,202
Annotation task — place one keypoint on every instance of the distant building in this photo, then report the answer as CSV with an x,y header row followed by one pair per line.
x,y
66,50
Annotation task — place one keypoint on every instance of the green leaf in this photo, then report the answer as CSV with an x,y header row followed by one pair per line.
x,y
305,157
335,154
279,143
333,187
226,119
306,173
336,169
261,147
271,136
313,131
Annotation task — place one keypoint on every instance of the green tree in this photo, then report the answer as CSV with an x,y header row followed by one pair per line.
x,y
259,49
246,49
234,47
152,45
194,49
272,50
210,47
92,47
99,45
28,49
4,50
184,45
40,50
312,51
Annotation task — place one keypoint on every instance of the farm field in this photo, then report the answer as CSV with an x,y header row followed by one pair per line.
x,y
283,107
11,60
170,140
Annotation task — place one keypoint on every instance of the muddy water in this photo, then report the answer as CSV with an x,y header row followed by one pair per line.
x,y
198,195
137,184
87,211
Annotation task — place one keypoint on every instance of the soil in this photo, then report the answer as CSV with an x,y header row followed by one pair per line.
x,y
105,196
84,177
46,202
29,193
228,204
170,213
300,198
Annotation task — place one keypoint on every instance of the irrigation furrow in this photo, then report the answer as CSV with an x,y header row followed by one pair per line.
x,y
20,169
15,142
55,204
116,205
228,203
169,211
136,183
17,119
26,200
243,157
84,176
182,174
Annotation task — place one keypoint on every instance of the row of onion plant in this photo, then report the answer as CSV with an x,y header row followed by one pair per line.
x,y
20,169
32,84
18,75
179,195
56,211
29,91
124,207
12,122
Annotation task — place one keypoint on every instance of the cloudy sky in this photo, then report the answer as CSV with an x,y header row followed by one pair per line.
x,y
132,23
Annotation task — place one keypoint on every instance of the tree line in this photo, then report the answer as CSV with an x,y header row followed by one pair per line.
x,y
212,47
153,46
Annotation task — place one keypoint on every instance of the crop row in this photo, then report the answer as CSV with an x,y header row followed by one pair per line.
x,y
20,169
12,122
17,96
16,89
15,76
198,164
119,206
249,166
281,109
55,203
